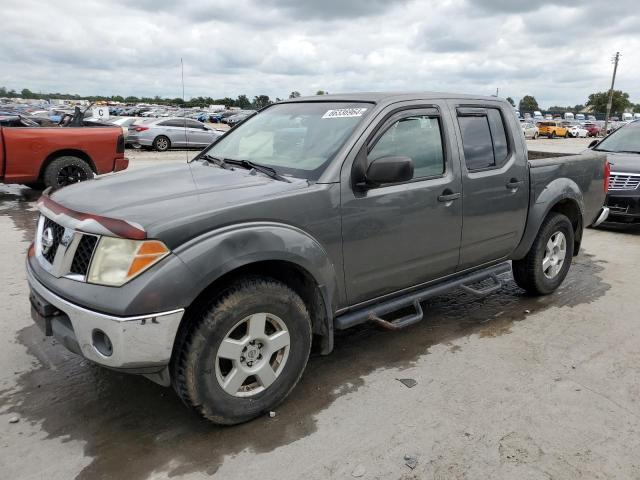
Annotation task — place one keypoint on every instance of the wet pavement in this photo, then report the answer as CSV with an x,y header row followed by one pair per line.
x,y
508,386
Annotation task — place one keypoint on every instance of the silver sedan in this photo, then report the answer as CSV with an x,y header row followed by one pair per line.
x,y
165,133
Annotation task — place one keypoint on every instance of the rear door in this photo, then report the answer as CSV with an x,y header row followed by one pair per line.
x,y
494,177
396,236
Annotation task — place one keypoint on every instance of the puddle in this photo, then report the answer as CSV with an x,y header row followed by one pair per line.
x,y
132,427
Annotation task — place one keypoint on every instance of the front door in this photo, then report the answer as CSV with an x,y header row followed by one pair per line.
x,y
397,236
494,177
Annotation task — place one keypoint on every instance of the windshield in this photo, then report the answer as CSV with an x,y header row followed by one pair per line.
x,y
298,139
626,139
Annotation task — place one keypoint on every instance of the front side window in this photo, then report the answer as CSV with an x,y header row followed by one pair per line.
x,y
298,139
417,137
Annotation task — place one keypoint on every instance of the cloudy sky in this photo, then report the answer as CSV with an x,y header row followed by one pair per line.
x,y
558,51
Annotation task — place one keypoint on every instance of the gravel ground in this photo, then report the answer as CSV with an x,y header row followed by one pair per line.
x,y
508,387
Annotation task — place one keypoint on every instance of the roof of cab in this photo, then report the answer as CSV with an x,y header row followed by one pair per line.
x,y
390,97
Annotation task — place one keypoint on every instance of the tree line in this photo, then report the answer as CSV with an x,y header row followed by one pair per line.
x,y
242,101
596,101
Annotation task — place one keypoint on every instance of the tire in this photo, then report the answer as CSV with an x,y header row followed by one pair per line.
x,y
65,171
200,366
566,134
536,135
553,134
161,143
529,272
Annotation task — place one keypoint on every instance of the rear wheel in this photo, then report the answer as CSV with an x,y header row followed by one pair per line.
x,y
566,134
535,135
244,353
65,171
161,143
548,261
553,134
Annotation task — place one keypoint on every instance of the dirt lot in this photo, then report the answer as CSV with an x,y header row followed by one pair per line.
x,y
508,387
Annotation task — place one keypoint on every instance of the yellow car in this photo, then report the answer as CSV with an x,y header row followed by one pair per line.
x,y
553,129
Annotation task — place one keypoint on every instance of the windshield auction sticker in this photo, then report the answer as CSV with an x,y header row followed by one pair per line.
x,y
344,113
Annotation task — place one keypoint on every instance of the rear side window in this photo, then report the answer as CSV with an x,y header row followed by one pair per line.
x,y
499,136
476,140
484,140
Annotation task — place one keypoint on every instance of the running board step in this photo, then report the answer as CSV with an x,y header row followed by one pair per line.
x,y
373,313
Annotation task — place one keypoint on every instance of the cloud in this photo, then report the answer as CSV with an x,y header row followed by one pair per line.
x,y
557,52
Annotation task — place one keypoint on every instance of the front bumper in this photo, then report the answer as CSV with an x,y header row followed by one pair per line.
x,y
624,208
139,344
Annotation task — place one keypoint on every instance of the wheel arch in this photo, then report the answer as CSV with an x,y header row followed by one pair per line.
x,y
562,196
281,252
67,152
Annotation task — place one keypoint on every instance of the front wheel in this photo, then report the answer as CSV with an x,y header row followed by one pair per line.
x,y
546,264
566,135
243,355
535,136
553,134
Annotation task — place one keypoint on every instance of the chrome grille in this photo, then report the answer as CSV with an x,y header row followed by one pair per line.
x,y
63,251
624,181
57,232
84,252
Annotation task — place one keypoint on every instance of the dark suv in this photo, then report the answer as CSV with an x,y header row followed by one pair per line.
x,y
623,150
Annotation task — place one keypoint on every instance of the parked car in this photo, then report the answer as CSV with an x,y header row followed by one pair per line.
x,y
57,157
623,150
17,121
312,216
165,133
553,129
238,117
577,131
530,130
593,130
218,117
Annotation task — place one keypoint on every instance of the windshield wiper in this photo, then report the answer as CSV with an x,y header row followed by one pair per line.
x,y
219,161
249,165
627,151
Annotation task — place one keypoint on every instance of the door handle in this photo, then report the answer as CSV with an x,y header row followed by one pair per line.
x,y
448,197
513,184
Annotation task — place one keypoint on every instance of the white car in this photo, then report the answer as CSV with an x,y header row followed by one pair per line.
x,y
577,131
530,130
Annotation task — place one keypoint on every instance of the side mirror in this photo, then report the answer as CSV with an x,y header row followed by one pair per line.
x,y
593,144
393,169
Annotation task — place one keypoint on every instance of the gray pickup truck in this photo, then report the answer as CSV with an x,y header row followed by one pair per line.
x,y
217,276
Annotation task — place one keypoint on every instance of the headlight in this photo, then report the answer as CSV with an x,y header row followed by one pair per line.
x,y
118,260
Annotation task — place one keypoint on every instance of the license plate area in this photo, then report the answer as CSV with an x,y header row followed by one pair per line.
x,y
42,312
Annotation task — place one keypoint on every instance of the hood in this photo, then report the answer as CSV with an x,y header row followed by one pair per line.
x,y
170,194
624,162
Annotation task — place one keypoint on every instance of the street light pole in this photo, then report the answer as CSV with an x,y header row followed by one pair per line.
x,y
610,101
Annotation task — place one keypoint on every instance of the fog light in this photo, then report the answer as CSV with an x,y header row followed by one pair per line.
x,y
102,343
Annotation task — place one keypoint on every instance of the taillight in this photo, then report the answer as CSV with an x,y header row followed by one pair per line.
x,y
607,174
141,129
120,144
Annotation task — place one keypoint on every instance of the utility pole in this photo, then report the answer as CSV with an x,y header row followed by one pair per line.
x,y
610,101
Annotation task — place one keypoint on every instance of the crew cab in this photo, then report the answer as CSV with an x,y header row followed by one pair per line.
x,y
57,156
553,129
317,214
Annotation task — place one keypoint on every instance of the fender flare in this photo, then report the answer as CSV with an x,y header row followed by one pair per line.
x,y
556,191
216,253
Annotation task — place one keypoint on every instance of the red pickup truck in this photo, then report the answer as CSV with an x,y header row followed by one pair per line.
x,y
59,156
